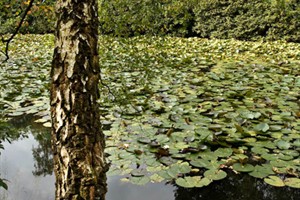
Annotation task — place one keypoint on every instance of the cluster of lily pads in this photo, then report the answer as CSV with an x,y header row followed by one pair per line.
x,y
25,78
203,107
184,110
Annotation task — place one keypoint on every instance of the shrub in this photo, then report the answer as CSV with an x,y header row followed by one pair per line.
x,y
247,19
40,18
139,17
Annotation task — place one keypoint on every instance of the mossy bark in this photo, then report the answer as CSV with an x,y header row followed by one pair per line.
x,y
77,139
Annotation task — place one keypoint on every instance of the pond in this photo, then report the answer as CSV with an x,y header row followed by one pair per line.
x,y
26,164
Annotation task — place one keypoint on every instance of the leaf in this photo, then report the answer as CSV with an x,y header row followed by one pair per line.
x,y
192,181
283,144
156,178
184,183
243,168
167,160
264,127
292,182
215,174
138,172
262,171
274,181
223,152
201,163
140,180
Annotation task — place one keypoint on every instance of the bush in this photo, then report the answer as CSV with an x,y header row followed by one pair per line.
x,y
240,19
247,19
40,18
139,17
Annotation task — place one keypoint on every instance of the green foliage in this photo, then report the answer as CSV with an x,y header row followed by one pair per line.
x,y
40,18
135,17
248,19
241,19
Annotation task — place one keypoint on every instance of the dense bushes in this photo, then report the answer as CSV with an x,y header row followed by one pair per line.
x,y
240,19
248,19
40,18
155,17
136,17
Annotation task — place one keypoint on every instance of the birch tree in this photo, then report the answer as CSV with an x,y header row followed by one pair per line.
x,y
77,139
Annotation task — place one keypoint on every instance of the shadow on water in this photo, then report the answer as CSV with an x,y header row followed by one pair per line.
x,y
27,163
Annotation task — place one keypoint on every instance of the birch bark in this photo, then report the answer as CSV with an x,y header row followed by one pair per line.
x,y
77,139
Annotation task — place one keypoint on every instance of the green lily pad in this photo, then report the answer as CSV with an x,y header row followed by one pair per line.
x,y
259,150
215,174
268,156
264,127
262,171
274,181
283,144
243,168
292,182
138,172
167,160
192,181
140,180
223,152
187,182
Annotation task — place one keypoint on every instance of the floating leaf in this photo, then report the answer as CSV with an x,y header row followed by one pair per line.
x,y
183,182
262,171
156,178
138,172
274,181
243,168
223,152
264,127
292,182
192,181
283,144
215,174
167,160
140,180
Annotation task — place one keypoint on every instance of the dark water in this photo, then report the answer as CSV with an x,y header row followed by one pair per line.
x,y
17,165
26,163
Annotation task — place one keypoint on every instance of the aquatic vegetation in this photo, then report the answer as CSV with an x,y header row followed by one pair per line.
x,y
181,110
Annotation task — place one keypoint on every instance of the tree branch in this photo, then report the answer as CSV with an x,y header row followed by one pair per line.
x,y
7,41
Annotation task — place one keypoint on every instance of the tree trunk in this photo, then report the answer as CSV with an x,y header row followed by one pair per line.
x,y
77,139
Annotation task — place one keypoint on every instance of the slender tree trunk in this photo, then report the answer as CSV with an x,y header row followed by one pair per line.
x,y
77,139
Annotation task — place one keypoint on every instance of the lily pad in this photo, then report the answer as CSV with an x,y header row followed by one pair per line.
x,y
274,181
140,180
215,174
283,144
264,127
243,168
292,182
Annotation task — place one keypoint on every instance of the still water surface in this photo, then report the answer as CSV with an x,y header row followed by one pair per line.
x,y
17,166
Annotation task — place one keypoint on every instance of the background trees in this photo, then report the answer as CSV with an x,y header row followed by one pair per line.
x,y
242,19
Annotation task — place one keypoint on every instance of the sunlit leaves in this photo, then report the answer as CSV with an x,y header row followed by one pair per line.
x,y
274,181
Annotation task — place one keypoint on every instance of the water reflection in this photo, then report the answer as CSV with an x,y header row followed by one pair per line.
x,y
238,187
27,164
18,165
42,155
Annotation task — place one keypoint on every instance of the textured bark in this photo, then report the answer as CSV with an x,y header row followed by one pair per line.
x,y
77,139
